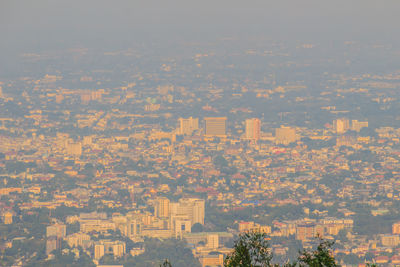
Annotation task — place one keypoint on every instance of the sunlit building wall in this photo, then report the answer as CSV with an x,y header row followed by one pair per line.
x,y
253,129
215,126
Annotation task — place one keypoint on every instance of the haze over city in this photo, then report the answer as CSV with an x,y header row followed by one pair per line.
x,y
149,133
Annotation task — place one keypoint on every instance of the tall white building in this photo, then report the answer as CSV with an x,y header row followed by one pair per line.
x,y
57,230
188,126
193,208
341,125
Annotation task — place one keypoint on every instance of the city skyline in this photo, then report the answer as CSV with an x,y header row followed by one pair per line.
x,y
137,133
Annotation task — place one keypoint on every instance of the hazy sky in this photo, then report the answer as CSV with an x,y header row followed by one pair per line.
x,y
36,24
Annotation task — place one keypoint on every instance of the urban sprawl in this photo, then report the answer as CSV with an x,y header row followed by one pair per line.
x,y
96,163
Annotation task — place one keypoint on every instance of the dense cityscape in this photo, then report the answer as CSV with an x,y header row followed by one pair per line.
x,y
101,170
199,133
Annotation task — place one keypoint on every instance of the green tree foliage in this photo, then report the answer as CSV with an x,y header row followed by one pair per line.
x,y
19,166
197,228
251,249
351,259
166,263
220,162
321,257
68,259
88,170
176,251
342,235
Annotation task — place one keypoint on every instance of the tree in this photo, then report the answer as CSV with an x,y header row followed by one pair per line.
x,y
197,228
251,249
219,161
166,263
321,257
176,251
342,235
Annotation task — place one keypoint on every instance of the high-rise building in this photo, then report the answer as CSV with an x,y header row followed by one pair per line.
x,y
98,251
131,189
358,125
7,217
74,149
54,234
182,226
85,97
188,126
344,140
78,239
119,249
253,129
390,240
58,230
133,228
59,98
88,96
396,228
162,207
52,243
198,211
305,231
215,126
285,135
213,241
101,226
341,125
190,208
102,247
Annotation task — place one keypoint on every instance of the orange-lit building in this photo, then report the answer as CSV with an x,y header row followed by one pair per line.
x,y
212,260
253,129
305,231
215,126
